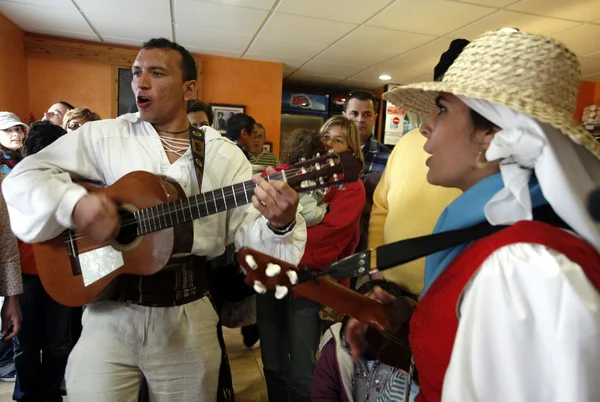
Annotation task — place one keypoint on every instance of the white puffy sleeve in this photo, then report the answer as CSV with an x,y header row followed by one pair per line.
x,y
247,227
529,330
40,192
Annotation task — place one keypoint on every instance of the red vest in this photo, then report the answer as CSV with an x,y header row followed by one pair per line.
x,y
434,324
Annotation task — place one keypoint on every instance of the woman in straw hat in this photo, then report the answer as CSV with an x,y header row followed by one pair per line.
x,y
514,316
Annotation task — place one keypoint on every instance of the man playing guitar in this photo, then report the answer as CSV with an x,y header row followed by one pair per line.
x,y
163,326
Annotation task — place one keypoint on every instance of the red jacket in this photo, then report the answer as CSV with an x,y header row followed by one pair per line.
x,y
337,235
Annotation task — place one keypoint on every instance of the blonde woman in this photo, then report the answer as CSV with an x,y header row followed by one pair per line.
x,y
514,316
76,118
290,328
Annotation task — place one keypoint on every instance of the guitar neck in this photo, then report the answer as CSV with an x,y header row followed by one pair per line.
x,y
173,213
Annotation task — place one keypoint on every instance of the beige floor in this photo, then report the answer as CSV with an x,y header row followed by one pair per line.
x,y
246,369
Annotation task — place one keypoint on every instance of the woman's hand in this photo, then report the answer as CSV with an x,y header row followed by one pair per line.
x,y
356,331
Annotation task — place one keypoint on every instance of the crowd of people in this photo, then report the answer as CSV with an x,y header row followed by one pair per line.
x,y
509,315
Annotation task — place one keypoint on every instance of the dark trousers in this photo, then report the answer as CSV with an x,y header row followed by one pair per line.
x,y
289,331
47,328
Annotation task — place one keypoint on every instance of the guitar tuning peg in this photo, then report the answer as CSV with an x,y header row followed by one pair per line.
x,y
302,160
336,177
272,270
293,276
259,287
331,151
331,162
318,155
280,292
318,166
303,170
321,180
251,262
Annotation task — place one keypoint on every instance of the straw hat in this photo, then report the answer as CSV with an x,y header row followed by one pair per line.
x,y
529,73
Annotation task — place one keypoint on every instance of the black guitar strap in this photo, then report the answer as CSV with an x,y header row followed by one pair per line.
x,y
403,251
197,145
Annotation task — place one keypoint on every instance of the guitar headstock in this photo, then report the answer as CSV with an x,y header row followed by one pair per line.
x,y
324,171
264,272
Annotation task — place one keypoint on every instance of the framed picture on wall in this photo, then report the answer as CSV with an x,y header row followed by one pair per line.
x,y
224,113
268,146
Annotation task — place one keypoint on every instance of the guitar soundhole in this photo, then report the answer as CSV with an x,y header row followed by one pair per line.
x,y
129,226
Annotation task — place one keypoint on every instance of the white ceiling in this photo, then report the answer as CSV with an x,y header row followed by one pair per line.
x,y
347,43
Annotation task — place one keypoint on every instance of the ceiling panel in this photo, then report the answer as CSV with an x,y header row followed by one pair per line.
x,y
578,10
63,34
130,12
66,20
287,62
358,84
370,46
58,4
209,39
119,28
305,29
353,11
416,62
219,17
524,22
420,78
275,47
332,69
213,52
260,4
431,17
583,40
488,3
372,74
312,78
589,66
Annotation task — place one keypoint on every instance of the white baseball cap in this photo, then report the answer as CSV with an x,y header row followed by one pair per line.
x,y
8,120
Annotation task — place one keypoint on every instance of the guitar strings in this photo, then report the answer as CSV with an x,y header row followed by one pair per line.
x,y
143,220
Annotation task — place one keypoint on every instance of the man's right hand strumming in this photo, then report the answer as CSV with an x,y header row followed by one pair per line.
x,y
96,217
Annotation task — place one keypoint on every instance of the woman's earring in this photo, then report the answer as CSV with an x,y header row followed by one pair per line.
x,y
481,162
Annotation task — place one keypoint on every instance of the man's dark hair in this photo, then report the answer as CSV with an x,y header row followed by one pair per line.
x,y
41,134
67,105
188,64
361,95
237,123
196,105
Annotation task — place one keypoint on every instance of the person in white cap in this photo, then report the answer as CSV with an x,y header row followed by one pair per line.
x,y
12,132
514,316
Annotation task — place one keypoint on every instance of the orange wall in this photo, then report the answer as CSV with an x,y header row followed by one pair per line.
x,y
79,82
256,84
14,95
585,97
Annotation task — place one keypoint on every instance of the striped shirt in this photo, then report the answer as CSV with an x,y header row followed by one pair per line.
x,y
265,159
395,389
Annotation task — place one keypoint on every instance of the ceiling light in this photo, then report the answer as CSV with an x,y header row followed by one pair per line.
x,y
509,30
385,77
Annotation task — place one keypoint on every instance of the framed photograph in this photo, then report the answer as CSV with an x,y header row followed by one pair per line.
x,y
268,146
223,113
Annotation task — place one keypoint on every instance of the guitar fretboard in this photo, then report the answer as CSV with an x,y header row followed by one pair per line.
x,y
173,213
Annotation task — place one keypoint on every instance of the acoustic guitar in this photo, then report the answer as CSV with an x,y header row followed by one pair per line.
x,y
390,345
157,223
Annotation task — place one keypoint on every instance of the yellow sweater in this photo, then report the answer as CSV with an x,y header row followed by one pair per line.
x,y
405,205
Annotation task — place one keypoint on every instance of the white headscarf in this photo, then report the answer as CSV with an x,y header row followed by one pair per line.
x,y
567,172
